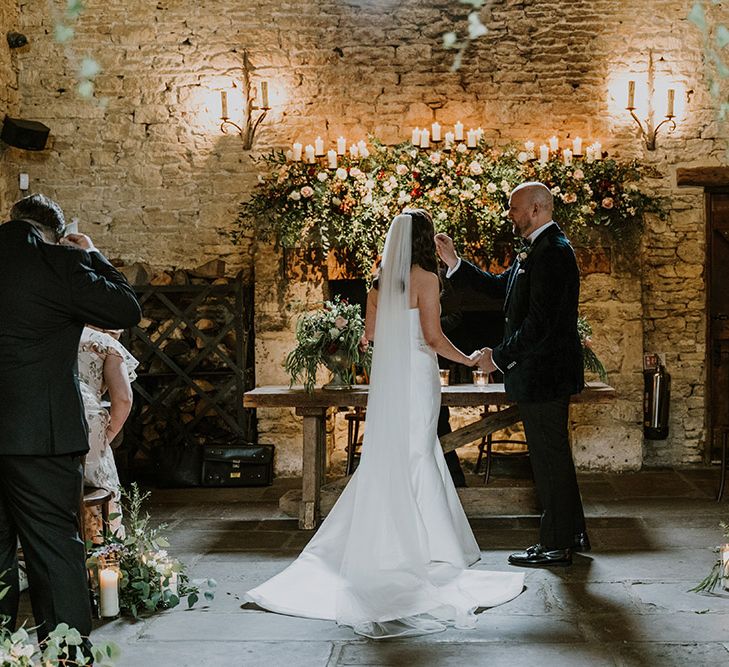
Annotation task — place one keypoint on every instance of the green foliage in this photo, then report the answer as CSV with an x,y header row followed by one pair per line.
x,y
467,191
146,569
590,360
714,579
336,328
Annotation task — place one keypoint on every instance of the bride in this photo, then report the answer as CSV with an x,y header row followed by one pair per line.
x,y
392,557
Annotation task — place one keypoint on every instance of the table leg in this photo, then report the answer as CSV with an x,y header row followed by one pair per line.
x,y
313,454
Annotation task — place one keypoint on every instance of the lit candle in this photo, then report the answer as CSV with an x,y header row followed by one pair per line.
x,y
445,376
598,150
223,104
353,151
590,154
471,138
108,592
669,106
543,153
362,146
425,139
529,146
435,131
480,378
725,566
458,131
309,153
318,147
449,140
479,134
264,94
577,146
553,144
631,95
416,137
341,146
296,152
567,156
332,159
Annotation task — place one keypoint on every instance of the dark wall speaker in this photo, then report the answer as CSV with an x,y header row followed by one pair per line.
x,y
28,134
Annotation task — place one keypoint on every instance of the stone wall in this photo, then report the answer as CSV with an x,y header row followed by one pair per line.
x,y
146,168
9,105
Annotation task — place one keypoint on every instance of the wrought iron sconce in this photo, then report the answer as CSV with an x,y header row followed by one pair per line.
x,y
247,130
648,128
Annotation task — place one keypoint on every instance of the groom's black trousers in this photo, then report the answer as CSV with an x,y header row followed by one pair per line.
x,y
546,428
39,503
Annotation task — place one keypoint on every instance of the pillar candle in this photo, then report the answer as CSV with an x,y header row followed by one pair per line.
x,y
529,146
296,152
471,138
577,145
449,140
669,106
479,134
435,131
264,94
543,153
341,146
458,131
425,139
332,159
631,95
590,154
223,104
318,147
353,151
553,143
108,592
362,147
567,156
480,378
416,137
598,150
309,153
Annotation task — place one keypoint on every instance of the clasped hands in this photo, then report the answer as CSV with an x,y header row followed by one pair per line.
x,y
483,359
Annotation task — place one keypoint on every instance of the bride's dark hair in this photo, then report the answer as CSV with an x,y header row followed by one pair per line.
x,y
423,240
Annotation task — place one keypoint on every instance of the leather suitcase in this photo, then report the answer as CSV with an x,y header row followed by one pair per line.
x,y
237,464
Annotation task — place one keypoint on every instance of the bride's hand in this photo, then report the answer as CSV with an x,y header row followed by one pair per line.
x,y
474,358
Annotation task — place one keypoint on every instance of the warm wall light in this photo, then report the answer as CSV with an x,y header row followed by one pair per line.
x,y
648,127
249,125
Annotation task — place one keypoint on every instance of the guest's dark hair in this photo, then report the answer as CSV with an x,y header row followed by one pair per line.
x,y
42,210
423,240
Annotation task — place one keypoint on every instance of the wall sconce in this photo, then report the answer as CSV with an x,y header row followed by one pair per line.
x,y
648,128
247,129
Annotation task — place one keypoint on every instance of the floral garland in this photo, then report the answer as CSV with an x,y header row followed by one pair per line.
x,y
466,190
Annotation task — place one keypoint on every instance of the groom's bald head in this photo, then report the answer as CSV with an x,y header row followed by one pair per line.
x,y
530,207
537,193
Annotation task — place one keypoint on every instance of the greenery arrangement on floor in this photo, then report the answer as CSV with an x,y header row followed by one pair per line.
x,y
306,205
150,579
719,573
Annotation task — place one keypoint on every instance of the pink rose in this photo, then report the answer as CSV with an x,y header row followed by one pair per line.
x,y
578,175
401,170
569,198
608,202
340,322
307,191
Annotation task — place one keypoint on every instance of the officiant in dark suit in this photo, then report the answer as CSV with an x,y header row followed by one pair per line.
x,y
541,359
50,287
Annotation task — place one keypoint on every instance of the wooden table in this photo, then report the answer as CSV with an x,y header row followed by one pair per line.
x,y
313,407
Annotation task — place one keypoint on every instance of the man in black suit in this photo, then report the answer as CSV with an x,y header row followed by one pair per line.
x,y
541,358
50,287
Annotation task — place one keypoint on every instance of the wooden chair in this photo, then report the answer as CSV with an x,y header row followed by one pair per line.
x,y
354,418
93,497
724,446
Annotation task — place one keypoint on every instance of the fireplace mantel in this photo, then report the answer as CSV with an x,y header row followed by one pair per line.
x,y
703,177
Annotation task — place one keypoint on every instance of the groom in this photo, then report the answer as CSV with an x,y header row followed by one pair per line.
x,y
541,358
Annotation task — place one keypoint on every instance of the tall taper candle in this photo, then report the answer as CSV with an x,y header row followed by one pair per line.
x,y
669,106
296,152
553,143
341,146
416,137
577,145
543,153
425,139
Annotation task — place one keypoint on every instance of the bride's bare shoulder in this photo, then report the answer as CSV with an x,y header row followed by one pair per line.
x,y
419,276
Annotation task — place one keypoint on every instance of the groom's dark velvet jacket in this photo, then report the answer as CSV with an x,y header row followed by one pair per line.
x,y
541,354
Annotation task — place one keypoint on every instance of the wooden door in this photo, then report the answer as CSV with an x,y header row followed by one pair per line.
x,y
718,318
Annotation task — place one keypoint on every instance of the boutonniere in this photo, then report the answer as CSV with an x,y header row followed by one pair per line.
x,y
522,252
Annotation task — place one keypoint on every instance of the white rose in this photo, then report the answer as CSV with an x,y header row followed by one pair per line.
x,y
491,188
341,174
295,195
449,163
523,156
370,184
435,158
578,175
392,180
403,198
461,148
442,216
334,333
354,172
401,170
505,187
475,168
556,190
322,176
387,186
336,201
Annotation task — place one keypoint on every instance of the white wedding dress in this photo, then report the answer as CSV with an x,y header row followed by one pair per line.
x,y
392,557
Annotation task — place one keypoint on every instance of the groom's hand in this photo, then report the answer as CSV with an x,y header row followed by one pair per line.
x,y
446,250
486,363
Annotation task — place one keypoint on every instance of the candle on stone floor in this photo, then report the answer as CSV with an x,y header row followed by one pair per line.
x,y
669,105
543,153
458,131
332,159
318,147
577,146
341,146
631,95
725,566
425,139
223,104
553,144
480,378
296,152
416,137
567,157
309,153
435,131
108,592
449,140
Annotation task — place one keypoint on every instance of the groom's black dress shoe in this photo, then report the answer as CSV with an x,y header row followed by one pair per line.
x,y
536,556
582,542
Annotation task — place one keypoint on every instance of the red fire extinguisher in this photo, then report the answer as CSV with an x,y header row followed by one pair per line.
x,y
656,401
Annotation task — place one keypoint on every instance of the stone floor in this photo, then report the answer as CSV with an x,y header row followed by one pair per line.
x,y
625,603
